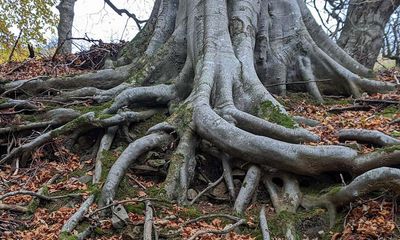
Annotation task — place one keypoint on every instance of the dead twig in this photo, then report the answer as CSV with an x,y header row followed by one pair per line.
x,y
210,186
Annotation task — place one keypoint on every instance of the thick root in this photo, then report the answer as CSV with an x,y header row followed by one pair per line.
x,y
376,179
368,136
128,156
249,187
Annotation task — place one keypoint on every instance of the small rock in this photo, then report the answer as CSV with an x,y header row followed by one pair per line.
x,y
156,162
321,232
85,179
119,216
191,194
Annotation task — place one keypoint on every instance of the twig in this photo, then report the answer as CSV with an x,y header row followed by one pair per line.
x,y
126,201
13,207
210,186
136,181
121,11
350,108
226,230
15,46
215,215
41,196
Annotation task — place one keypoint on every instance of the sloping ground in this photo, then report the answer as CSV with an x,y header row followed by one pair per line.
x,y
65,177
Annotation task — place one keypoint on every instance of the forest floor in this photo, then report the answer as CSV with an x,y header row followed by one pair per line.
x,y
70,172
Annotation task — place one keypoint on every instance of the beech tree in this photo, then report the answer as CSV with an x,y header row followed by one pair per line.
x,y
364,28
64,28
213,66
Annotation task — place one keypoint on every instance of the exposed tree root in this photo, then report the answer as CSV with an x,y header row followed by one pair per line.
x,y
368,136
148,222
226,230
198,60
264,224
105,145
249,186
85,120
130,154
376,179
78,215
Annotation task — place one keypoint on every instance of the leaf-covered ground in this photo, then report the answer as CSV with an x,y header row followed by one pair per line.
x,y
70,171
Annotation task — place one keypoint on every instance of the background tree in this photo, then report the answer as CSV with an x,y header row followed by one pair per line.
x,y
208,68
358,26
23,21
391,46
364,29
64,28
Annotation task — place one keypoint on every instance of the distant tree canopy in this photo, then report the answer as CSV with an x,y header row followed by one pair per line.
x,y
23,21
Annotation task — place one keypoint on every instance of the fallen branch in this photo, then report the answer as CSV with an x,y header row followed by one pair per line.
x,y
210,186
12,207
377,101
226,230
38,195
350,108
115,203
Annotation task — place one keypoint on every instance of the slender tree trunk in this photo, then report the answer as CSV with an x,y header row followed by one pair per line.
x,y
64,28
363,30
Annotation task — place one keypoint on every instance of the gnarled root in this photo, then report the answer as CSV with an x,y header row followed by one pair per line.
x,y
182,166
128,156
376,179
368,136
286,196
249,187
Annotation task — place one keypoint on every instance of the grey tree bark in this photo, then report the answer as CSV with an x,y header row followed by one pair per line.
x,y
364,29
212,64
64,28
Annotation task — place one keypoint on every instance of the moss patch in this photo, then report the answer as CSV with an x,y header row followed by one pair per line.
x,y
268,111
182,117
135,208
141,128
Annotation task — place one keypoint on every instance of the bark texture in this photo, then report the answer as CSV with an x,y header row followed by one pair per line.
x,y
364,28
213,65
64,28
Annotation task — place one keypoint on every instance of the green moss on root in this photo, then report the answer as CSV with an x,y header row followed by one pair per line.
x,y
268,111
182,117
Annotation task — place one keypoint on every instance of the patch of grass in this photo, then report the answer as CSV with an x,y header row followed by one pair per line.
x,y
135,208
67,236
141,128
390,111
97,109
125,190
190,212
156,192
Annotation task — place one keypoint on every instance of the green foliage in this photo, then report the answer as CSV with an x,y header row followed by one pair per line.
x,y
31,18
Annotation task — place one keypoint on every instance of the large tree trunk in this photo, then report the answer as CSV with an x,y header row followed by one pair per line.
x,y
64,28
213,63
364,28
